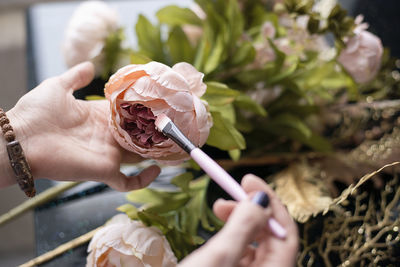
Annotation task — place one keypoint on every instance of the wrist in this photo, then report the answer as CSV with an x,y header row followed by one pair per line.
x,y
8,176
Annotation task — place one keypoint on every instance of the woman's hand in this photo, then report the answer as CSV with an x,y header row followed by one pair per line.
x,y
68,139
247,223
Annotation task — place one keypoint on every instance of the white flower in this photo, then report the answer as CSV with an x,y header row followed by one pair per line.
x,y
86,33
324,7
362,55
124,242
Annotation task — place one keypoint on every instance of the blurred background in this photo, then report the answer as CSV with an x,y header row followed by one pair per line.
x,y
16,238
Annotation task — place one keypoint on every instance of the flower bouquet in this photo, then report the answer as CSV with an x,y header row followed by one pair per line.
x,y
295,91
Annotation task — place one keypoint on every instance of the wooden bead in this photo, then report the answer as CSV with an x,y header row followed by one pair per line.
x,y
7,128
4,120
21,168
9,136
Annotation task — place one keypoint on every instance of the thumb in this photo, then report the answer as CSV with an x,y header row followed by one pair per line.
x,y
77,77
242,227
124,183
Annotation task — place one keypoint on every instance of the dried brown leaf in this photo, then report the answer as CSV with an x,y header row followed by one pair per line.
x,y
302,191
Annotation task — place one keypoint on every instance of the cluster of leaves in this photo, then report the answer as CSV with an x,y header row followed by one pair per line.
x,y
178,214
337,22
225,52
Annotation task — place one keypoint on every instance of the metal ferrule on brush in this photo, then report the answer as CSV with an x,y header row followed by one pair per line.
x,y
178,137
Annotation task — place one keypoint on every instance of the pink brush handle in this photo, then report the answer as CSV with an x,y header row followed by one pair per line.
x,y
226,182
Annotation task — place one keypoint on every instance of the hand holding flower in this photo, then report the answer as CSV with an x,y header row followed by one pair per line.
x,y
68,139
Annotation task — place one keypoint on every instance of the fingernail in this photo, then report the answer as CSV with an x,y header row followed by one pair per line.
x,y
261,199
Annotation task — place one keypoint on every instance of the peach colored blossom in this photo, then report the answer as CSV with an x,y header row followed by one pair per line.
x,y
84,39
139,93
124,242
362,55
193,33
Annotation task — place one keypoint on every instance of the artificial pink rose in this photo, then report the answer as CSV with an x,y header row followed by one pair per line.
x,y
124,242
139,93
362,55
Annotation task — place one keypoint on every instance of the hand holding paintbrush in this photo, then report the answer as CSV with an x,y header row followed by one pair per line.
x,y
216,172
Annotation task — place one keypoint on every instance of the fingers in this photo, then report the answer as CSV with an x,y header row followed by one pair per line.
x,y
245,222
125,183
251,183
77,77
223,208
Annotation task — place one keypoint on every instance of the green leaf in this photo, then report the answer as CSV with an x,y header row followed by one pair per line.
x,y
112,51
130,210
245,54
291,121
293,63
158,201
313,24
318,143
94,97
216,55
174,15
182,181
193,164
234,17
252,76
245,102
138,58
202,52
219,94
149,39
224,135
227,112
234,154
179,46
152,219
279,56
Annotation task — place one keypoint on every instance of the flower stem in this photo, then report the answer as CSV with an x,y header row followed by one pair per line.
x,y
61,249
38,200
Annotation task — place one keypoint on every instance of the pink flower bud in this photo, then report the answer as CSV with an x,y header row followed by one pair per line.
x,y
139,93
362,55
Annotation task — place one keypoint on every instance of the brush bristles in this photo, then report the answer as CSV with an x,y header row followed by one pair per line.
x,y
161,121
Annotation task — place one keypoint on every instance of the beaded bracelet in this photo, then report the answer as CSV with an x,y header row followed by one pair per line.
x,y
17,158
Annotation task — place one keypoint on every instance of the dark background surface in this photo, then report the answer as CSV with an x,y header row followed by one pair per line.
x,y
90,205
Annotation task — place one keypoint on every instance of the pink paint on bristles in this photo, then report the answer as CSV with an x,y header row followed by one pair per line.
x,y
161,121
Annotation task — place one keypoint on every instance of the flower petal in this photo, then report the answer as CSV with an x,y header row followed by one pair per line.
x,y
192,76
